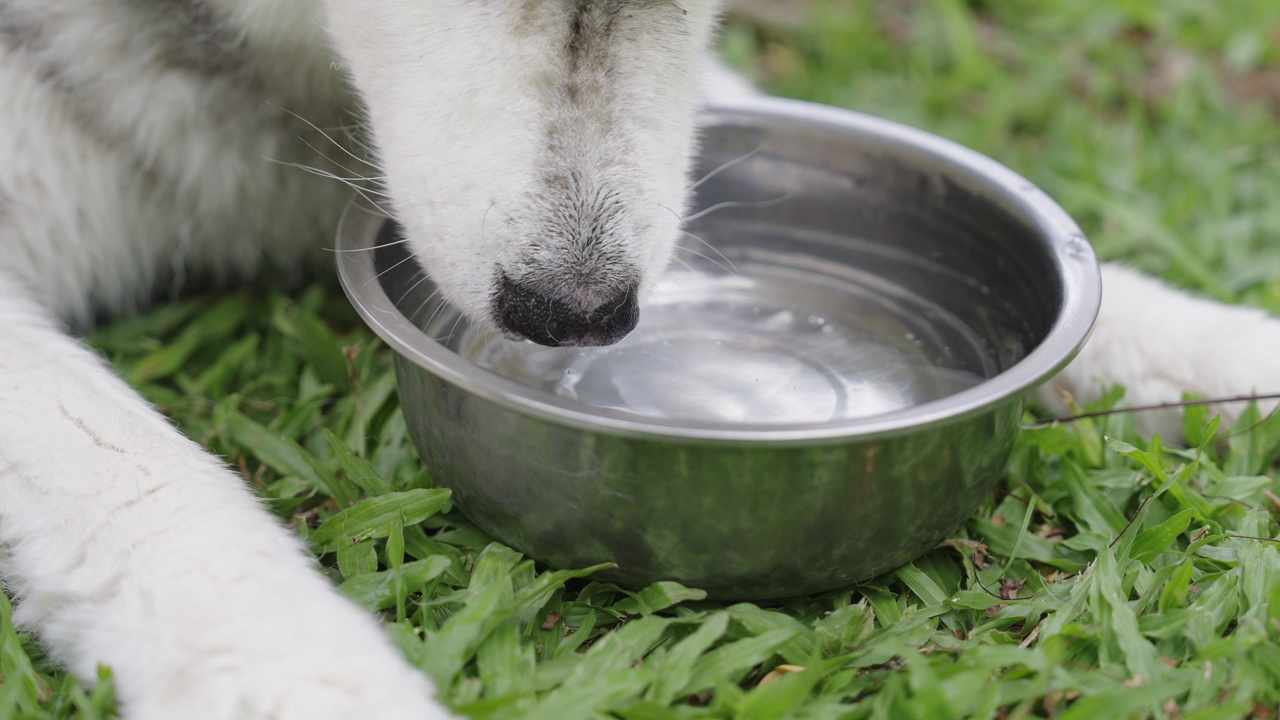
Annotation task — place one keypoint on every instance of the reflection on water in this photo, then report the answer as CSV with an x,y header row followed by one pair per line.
x,y
722,348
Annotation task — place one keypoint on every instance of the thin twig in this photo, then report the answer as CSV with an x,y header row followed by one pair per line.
x,y
1251,537
1137,514
1159,406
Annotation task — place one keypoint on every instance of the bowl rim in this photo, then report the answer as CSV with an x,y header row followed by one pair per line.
x,y
1072,255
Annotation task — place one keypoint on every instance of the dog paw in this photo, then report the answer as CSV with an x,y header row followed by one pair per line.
x,y
205,608
291,691
1161,344
326,660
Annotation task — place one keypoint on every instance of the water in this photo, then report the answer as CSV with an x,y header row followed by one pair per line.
x,y
724,349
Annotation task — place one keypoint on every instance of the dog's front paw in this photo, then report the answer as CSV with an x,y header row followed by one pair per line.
x,y
1160,344
320,659
205,608
302,687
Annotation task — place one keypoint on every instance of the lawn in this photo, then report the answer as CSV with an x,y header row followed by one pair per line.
x,y
1109,575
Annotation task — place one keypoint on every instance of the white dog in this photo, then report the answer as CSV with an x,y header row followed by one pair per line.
x,y
530,148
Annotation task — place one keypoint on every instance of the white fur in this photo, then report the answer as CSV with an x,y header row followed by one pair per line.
x,y
1159,343
127,544
448,178
130,545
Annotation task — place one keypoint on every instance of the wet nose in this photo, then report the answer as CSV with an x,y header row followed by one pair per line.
x,y
548,319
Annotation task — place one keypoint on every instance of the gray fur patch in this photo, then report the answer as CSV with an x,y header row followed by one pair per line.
x,y
583,106
188,35
591,28
20,33
26,35
162,37
594,25
176,34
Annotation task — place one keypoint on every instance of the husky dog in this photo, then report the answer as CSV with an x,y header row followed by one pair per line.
x,y
531,149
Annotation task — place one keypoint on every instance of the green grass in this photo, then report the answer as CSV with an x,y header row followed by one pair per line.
x,y
1108,576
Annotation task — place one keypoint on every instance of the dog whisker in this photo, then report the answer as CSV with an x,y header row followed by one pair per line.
x,y
325,135
407,258
354,134
363,192
731,267
422,305
371,248
727,268
685,248
376,179
423,277
452,329
379,213
746,156
739,203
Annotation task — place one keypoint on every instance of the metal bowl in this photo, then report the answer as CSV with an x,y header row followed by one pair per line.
x,y
825,385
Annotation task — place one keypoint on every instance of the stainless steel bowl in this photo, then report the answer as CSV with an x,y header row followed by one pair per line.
x,y
825,385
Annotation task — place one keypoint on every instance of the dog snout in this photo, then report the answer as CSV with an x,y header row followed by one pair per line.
x,y
555,320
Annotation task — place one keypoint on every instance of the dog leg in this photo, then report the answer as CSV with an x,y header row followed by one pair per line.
x,y
1159,343
129,545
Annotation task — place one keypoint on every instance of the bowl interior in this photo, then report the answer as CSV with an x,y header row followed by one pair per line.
x,y
827,276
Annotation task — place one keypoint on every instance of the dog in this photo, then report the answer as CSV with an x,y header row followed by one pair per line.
x,y
531,149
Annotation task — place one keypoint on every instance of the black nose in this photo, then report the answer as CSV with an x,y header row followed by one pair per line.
x,y
549,320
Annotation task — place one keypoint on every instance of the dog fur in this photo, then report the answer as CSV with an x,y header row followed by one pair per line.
x,y
148,145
